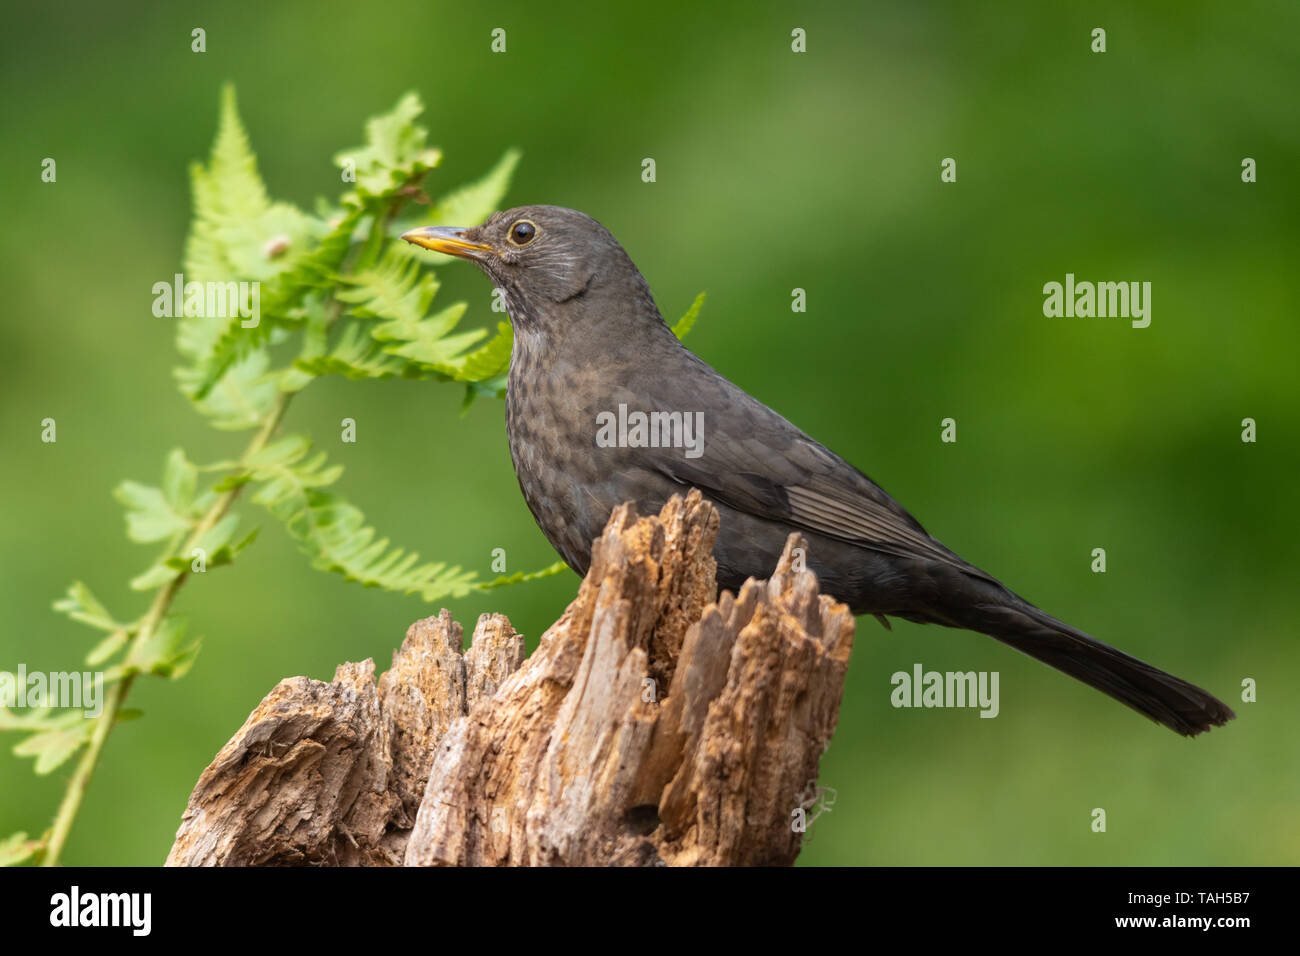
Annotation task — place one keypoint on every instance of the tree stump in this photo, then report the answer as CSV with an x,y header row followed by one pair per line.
x,y
653,725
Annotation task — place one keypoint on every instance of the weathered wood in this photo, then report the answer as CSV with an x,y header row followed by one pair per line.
x,y
651,726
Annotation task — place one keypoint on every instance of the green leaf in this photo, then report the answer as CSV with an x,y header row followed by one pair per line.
x,y
241,398
486,362
219,535
393,156
395,292
315,343
283,451
166,652
520,576
357,356
36,719
149,515
52,747
229,187
282,298
233,480
180,479
16,848
239,235
215,545
493,388
119,671
80,605
282,481
687,321
227,191
155,576
107,647
334,534
431,353
226,554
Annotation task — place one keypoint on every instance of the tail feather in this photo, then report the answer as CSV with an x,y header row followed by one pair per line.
x,y
1164,698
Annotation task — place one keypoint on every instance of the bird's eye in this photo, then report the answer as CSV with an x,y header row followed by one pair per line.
x,y
522,233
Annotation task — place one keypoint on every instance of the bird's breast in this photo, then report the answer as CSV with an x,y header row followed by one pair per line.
x,y
550,415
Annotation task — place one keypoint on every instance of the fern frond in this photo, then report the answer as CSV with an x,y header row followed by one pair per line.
x,y
357,356
393,157
488,361
333,532
396,293
520,577
280,303
240,398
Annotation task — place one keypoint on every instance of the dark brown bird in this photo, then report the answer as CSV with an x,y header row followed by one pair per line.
x,y
604,405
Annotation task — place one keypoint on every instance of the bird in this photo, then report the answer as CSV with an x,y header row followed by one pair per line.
x,y
605,405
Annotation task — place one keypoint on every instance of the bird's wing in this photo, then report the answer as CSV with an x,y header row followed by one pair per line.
x,y
755,461
822,498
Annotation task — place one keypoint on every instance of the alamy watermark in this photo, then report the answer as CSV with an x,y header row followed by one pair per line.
x,y
1122,300
636,429
224,300
922,688
59,689
133,911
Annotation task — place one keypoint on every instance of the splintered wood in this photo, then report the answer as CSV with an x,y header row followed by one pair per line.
x,y
652,726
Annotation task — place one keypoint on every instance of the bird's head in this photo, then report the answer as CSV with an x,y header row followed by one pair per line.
x,y
548,260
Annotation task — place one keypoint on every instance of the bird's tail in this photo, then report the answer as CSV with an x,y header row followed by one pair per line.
x,y
1163,697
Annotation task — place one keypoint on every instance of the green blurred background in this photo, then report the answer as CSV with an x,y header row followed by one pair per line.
x,y
775,171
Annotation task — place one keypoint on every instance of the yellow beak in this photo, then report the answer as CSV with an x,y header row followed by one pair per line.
x,y
449,240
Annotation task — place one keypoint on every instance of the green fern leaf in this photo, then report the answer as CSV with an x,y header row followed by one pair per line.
x,y
357,356
392,290
280,301
16,848
393,156
80,605
241,397
333,533
166,653
149,515
687,321
395,292
483,363
58,739
239,235
228,190
108,647
521,576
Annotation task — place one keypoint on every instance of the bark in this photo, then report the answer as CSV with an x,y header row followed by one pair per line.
x,y
652,726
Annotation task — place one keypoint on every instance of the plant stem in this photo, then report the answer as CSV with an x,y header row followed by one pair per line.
x,y
76,790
